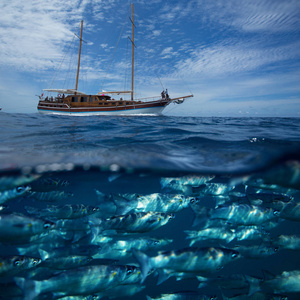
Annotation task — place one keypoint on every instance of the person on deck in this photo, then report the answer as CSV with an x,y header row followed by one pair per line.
x,y
163,94
167,95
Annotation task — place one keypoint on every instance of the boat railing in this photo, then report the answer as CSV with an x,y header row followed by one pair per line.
x,y
153,98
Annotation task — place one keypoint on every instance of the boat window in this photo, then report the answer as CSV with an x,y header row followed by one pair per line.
x,y
127,103
91,99
83,99
120,103
74,99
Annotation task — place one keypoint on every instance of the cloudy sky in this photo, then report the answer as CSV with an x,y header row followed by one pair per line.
x,y
238,58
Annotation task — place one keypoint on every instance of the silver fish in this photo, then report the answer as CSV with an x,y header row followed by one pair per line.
x,y
63,262
195,260
52,196
243,214
291,242
215,189
52,182
256,251
267,196
187,295
218,234
287,282
165,203
291,211
185,180
12,194
12,265
183,184
250,233
121,248
135,222
17,228
10,182
68,211
236,281
81,281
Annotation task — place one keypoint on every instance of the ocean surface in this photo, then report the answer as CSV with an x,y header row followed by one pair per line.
x,y
193,191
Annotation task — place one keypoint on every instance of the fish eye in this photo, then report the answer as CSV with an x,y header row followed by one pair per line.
x,y
47,225
276,213
17,262
156,242
19,189
36,261
234,255
276,249
171,216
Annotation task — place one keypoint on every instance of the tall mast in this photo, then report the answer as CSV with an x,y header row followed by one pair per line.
x,y
77,77
132,49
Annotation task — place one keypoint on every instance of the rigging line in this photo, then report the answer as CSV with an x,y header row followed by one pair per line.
x,y
71,67
63,59
160,82
185,83
114,52
126,68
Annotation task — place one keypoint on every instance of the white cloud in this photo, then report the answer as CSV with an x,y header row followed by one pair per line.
x,y
34,32
252,16
235,58
156,32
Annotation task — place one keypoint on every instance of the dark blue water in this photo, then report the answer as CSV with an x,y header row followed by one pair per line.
x,y
128,155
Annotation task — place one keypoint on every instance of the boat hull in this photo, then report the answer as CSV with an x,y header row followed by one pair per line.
x,y
137,111
155,108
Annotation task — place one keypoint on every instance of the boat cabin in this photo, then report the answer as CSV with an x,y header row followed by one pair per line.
x,y
88,98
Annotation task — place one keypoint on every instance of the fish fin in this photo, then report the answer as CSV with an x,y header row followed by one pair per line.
x,y
30,288
144,262
162,276
223,296
191,235
203,281
43,254
101,196
113,177
122,207
254,285
200,216
95,231
267,275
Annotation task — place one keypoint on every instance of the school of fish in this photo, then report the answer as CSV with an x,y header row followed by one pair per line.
x,y
57,246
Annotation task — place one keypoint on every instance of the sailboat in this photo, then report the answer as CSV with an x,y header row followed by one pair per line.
x,y
74,102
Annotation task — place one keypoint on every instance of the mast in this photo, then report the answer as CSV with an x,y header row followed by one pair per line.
x,y
132,49
77,77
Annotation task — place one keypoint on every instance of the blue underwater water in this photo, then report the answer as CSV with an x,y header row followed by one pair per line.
x,y
112,163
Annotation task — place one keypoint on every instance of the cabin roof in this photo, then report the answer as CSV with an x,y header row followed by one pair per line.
x,y
64,91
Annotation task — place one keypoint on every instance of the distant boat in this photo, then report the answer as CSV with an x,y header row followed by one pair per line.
x,y
71,101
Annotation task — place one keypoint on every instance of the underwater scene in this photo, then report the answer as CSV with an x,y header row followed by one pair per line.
x,y
179,214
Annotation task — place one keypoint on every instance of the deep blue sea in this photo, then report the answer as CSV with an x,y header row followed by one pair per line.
x,y
114,163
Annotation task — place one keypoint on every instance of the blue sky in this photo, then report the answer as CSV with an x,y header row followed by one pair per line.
x,y
238,58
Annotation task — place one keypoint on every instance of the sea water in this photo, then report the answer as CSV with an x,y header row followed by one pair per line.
x,y
82,156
